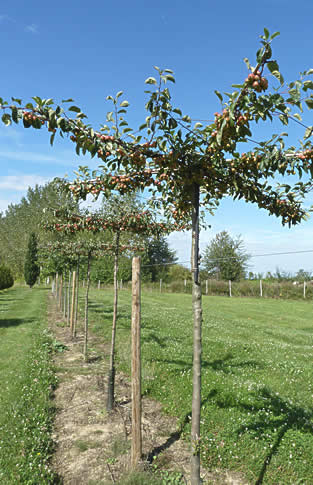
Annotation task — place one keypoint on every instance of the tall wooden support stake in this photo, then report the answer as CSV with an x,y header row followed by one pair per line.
x,y
261,289
304,288
229,286
206,287
73,301
136,445
197,341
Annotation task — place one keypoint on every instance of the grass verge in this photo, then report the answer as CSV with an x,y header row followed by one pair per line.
x,y
27,382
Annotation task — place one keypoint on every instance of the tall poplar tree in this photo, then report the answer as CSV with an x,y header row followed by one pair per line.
x,y
31,267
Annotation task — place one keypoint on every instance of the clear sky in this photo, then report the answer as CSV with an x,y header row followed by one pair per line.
x,y
88,50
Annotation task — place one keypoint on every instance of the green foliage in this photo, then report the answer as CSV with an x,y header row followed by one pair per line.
x,y
157,259
6,277
20,220
102,269
225,258
31,266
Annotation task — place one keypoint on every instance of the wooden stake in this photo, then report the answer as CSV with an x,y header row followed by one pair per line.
x,y
304,288
136,445
229,285
261,289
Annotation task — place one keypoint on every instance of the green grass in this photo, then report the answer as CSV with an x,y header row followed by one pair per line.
x,y
257,415
27,379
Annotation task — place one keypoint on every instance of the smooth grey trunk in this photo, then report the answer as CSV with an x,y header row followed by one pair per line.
x,y
64,296
74,282
68,298
86,309
76,299
197,344
111,376
136,442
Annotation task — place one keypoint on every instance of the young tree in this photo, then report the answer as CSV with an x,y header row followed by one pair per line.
x,y
225,257
31,266
188,165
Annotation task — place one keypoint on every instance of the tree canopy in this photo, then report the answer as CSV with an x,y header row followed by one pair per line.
x,y
225,257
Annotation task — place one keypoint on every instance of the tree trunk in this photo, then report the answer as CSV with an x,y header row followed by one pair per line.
x,y
68,298
111,376
73,302
76,299
197,345
86,310
136,443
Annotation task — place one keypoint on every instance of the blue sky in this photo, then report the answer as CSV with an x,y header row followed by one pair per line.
x,y
89,50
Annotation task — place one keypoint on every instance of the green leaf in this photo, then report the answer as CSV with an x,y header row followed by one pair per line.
x,y
307,85
29,106
239,86
14,114
272,66
170,78
127,130
6,118
143,126
218,94
172,123
247,63
52,139
69,100
274,35
124,104
198,125
297,116
278,76
150,80
186,118
110,116
75,109
309,103
16,100
283,119
119,94
177,111
308,132
266,33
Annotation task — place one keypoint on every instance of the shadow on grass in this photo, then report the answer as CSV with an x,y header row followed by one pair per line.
x,y
223,365
14,322
286,416
175,436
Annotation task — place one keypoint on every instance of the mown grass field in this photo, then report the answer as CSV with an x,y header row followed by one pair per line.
x,y
257,415
27,379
